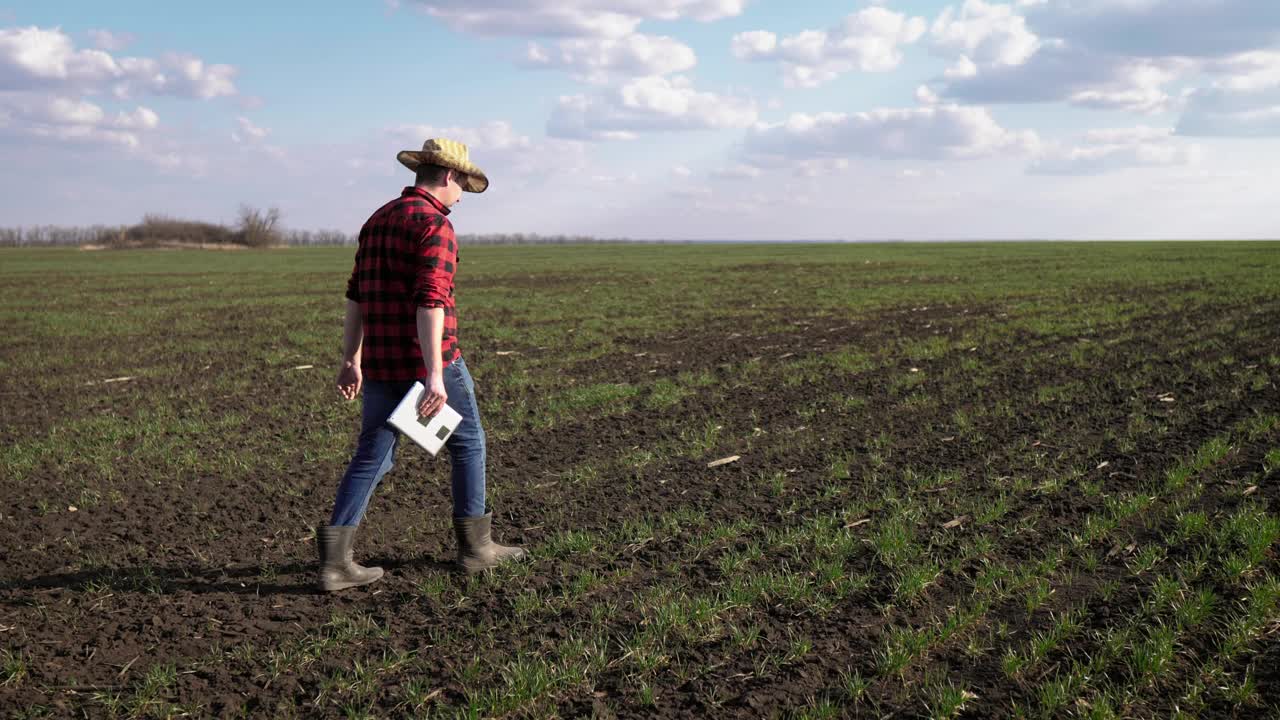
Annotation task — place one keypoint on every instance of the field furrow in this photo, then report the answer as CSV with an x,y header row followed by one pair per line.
x,y
1031,484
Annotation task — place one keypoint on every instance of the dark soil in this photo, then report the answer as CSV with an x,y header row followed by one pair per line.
x,y
190,568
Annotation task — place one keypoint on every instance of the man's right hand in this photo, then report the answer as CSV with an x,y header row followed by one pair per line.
x,y
434,397
350,380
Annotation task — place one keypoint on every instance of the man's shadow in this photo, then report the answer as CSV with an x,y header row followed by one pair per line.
x,y
241,580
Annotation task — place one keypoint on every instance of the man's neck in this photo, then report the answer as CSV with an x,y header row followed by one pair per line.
x,y
432,190
435,192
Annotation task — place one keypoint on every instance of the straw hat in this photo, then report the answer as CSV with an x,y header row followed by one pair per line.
x,y
446,153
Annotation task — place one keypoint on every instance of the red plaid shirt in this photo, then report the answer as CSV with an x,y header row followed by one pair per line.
x,y
406,260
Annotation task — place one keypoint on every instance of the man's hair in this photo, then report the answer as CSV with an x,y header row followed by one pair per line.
x,y
432,175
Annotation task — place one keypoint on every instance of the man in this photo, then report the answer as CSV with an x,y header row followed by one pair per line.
x,y
401,326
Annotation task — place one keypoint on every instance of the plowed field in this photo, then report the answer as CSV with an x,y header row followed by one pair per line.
x,y
972,480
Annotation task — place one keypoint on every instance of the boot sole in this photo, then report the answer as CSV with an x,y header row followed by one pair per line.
x,y
463,568
323,586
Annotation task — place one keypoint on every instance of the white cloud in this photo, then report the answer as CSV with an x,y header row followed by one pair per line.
x,y
1244,100
52,92
869,40
914,174
738,171
987,33
1127,136
695,193
1138,86
1108,150
1247,72
63,111
248,132
1125,55
754,45
1060,73
140,119
819,167
963,67
494,135
598,59
713,211
647,104
176,74
681,171
28,117
1160,28
931,132
33,58
1261,121
610,179
567,18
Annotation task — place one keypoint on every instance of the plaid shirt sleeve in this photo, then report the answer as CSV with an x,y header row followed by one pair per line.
x,y
436,263
353,283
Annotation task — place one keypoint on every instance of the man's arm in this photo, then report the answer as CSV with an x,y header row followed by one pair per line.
x,y
433,278
349,376
430,337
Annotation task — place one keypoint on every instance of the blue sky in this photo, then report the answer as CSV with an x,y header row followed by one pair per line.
x,y
656,118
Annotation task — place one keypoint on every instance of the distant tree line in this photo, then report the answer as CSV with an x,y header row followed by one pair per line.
x,y
309,238
253,228
532,239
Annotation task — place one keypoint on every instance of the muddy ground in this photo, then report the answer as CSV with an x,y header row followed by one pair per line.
x,y
210,580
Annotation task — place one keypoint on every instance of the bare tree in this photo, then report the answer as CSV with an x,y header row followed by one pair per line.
x,y
258,228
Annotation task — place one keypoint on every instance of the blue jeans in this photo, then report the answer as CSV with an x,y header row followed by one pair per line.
x,y
375,453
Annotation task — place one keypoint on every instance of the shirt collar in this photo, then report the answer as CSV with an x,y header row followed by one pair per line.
x,y
414,190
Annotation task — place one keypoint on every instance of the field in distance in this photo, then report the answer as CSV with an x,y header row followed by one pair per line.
x,y
976,480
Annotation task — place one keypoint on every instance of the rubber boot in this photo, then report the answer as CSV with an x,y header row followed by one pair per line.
x,y
337,570
476,549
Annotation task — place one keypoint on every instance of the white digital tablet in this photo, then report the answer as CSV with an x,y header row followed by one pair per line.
x,y
431,434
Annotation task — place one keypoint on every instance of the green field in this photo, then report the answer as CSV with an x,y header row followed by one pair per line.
x,y
981,480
